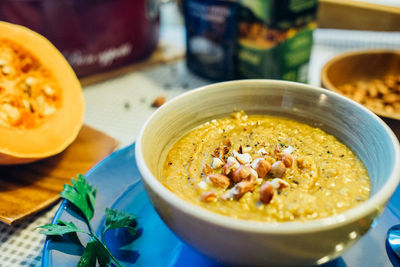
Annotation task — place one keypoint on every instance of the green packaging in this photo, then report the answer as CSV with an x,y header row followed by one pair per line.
x,y
275,38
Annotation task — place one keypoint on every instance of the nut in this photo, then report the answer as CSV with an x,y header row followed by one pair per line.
x,y
242,188
207,169
208,197
378,95
246,149
278,169
227,142
305,163
242,173
230,167
262,151
253,176
219,180
266,193
202,185
220,152
261,166
217,163
287,159
278,183
242,158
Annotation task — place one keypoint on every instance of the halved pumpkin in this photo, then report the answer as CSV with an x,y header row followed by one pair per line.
x,y
41,100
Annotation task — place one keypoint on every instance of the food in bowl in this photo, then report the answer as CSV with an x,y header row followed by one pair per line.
x,y
250,242
265,168
378,94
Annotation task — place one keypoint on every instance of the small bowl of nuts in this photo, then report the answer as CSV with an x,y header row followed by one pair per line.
x,y
369,77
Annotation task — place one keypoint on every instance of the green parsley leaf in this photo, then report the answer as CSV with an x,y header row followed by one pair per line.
x,y
60,228
94,251
115,219
82,195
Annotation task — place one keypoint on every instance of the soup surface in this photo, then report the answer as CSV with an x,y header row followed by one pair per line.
x,y
266,169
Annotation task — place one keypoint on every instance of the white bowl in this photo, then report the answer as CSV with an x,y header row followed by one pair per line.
x,y
244,242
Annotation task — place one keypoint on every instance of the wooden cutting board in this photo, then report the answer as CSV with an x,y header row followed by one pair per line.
x,y
26,189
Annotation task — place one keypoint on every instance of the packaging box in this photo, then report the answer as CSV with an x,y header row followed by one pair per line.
x,y
275,38
211,34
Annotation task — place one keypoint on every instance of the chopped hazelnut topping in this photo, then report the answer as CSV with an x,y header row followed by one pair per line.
x,y
202,185
305,163
262,151
239,190
242,173
219,180
242,158
207,169
217,163
287,159
261,166
233,160
278,169
230,167
278,183
266,193
227,142
208,197
246,149
288,150
242,188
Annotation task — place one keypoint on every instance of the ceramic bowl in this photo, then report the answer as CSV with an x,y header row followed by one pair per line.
x,y
365,66
243,242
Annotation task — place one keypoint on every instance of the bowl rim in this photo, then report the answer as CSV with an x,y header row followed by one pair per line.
x,y
373,204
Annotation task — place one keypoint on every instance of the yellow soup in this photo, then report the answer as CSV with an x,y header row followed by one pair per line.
x,y
266,169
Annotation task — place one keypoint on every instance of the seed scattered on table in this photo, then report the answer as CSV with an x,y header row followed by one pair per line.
x,y
158,101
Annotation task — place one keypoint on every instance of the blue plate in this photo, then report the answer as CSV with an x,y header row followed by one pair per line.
x,y
118,183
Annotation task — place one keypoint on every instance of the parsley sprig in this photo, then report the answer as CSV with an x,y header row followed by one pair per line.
x,y
82,195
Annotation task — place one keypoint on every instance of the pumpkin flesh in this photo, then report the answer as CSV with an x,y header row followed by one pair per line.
x,y
41,100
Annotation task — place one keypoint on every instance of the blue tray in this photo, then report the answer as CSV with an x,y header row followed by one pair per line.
x,y
118,183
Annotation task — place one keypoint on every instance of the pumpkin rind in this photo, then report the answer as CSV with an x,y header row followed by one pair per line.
x,y
23,145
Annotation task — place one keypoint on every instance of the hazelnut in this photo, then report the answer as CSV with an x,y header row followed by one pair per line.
x,y
242,173
208,197
261,166
217,163
266,193
230,167
219,180
278,169
278,183
207,169
287,159
243,158
242,188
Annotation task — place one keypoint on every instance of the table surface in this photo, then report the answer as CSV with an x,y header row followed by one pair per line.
x,y
120,106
